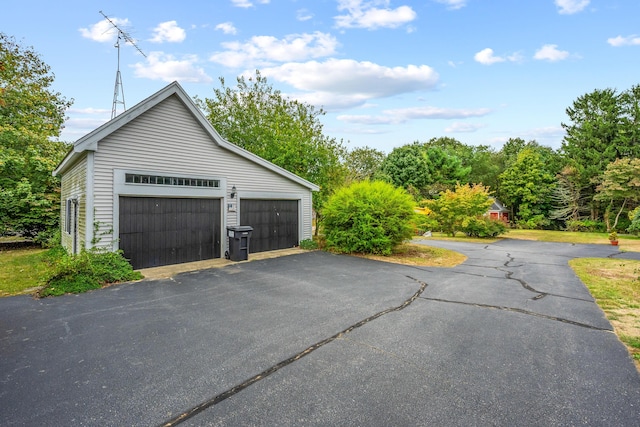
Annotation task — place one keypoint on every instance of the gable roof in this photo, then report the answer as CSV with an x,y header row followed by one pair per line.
x,y
497,206
90,141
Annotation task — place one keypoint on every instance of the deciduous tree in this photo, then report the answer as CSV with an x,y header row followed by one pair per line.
x,y
453,208
363,163
284,131
423,169
526,186
567,197
620,183
31,118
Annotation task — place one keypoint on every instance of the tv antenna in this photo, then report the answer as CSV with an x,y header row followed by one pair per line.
x,y
118,90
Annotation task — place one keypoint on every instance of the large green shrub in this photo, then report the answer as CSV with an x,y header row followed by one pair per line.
x,y
482,226
88,270
368,217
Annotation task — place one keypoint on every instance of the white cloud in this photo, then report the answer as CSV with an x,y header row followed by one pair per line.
x,y
266,50
347,76
168,32
486,57
161,66
454,4
547,132
569,7
84,125
550,52
227,28
247,3
331,101
550,136
362,119
438,113
103,31
81,121
462,127
631,40
342,83
403,115
88,111
515,57
366,14
303,15
241,3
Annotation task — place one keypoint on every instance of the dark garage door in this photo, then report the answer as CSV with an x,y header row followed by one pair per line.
x,y
159,231
274,222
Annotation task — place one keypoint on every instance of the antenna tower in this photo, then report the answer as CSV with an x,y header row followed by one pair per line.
x,y
118,90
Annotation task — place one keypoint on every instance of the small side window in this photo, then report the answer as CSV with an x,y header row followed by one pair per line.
x,y
67,217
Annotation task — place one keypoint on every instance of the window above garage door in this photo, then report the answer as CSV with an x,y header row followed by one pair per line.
x,y
166,184
133,178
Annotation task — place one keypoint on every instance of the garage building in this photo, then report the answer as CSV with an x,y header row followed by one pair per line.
x,y
160,184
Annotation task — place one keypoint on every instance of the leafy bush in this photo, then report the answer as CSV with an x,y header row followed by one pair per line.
x,y
368,217
88,270
587,225
49,238
452,208
424,223
634,216
309,244
535,222
483,227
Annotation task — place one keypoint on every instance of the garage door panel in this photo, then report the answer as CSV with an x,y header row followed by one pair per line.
x,y
274,222
161,231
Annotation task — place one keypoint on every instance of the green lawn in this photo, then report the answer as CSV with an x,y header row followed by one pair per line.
x,y
626,242
21,270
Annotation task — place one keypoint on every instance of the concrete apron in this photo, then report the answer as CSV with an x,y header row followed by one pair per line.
x,y
167,271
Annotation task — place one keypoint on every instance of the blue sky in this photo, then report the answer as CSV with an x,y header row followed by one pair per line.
x,y
388,72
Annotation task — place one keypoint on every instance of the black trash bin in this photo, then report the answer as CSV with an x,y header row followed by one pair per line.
x,y
239,237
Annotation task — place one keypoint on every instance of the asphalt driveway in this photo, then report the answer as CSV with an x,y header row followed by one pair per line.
x,y
510,337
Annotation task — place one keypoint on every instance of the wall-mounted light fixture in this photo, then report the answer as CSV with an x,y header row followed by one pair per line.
x,y
233,192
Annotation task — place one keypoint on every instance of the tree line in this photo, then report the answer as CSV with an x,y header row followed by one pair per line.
x,y
592,182
589,183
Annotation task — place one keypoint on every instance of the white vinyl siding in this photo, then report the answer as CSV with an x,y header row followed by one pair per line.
x,y
168,139
73,185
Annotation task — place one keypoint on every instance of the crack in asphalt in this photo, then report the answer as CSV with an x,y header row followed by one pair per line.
x,y
262,375
509,276
521,311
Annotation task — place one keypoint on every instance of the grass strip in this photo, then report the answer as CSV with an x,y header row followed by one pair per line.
x,y
615,285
